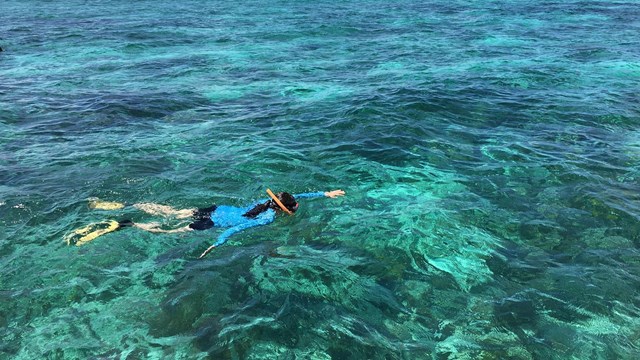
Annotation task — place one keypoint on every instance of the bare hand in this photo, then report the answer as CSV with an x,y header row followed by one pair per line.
x,y
334,193
207,251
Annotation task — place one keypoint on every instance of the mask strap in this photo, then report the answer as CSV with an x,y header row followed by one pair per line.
x,y
273,196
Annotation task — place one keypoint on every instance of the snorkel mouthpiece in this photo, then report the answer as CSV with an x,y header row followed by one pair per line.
x,y
277,201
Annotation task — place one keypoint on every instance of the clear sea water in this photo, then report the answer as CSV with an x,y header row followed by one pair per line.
x,y
490,151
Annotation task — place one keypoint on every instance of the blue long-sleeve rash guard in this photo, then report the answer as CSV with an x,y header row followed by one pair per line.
x,y
231,217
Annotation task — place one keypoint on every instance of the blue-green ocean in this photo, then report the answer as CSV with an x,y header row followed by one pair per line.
x,y
489,150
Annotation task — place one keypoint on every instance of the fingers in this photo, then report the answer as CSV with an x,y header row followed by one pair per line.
x,y
335,193
207,251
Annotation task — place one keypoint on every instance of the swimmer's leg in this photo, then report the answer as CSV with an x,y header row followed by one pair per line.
x,y
154,227
164,210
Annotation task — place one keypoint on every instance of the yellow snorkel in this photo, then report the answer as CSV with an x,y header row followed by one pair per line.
x,y
274,198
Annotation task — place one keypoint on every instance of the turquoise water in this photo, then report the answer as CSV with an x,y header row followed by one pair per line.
x,y
490,151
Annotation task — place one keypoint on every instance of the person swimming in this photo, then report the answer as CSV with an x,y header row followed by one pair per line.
x,y
235,219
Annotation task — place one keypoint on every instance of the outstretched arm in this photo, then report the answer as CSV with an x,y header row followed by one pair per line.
x,y
227,233
331,194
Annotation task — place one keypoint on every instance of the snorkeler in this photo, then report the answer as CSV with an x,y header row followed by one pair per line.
x,y
234,218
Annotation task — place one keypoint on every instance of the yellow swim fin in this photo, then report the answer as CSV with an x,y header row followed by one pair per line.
x,y
85,234
105,205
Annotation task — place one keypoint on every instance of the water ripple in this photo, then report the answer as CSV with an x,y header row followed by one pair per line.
x,y
489,152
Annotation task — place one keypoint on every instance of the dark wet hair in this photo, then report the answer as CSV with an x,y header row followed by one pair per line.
x,y
285,198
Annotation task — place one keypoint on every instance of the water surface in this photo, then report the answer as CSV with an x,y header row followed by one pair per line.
x,y
490,153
